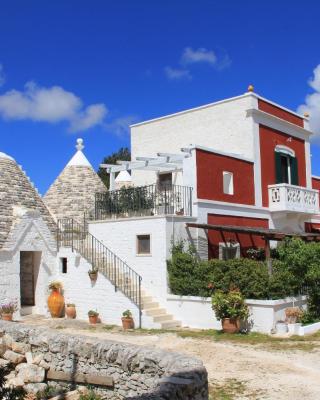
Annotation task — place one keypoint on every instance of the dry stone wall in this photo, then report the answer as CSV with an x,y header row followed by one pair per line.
x,y
136,372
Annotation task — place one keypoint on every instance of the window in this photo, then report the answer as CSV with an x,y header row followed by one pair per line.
x,y
286,168
227,182
64,265
143,245
229,250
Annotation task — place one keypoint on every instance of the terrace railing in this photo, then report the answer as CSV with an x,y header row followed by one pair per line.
x,y
143,201
124,278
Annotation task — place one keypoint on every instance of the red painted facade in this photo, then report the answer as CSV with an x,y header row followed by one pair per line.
x,y
280,113
269,139
210,167
246,241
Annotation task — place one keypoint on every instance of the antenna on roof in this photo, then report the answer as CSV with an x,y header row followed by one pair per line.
x,y
79,145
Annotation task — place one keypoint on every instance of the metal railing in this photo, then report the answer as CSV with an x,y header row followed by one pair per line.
x,y
124,278
143,201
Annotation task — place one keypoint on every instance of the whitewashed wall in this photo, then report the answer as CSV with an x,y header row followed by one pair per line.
x,y
196,312
99,296
30,233
223,126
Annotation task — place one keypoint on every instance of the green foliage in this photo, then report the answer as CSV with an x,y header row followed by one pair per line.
x,y
9,393
122,154
229,305
190,276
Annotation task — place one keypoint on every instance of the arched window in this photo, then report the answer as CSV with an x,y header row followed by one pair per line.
x,y
286,165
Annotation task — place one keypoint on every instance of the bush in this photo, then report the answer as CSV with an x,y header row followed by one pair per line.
x,y
188,276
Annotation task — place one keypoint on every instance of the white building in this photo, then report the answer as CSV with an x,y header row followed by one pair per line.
x,y
227,177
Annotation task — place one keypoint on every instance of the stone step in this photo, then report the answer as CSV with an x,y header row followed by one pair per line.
x,y
163,318
155,311
170,324
151,304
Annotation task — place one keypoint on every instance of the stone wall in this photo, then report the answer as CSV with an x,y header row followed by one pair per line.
x,y
137,372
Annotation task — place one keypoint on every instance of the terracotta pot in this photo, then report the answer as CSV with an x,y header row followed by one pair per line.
x,y
71,312
93,319
93,276
127,323
55,303
6,317
230,325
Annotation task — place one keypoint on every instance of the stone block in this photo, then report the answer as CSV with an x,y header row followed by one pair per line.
x,y
14,358
30,373
20,347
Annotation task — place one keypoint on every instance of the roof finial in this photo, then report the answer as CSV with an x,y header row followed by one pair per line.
x,y
250,88
79,145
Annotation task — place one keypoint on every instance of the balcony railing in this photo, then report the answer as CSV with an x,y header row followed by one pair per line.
x,y
290,198
144,201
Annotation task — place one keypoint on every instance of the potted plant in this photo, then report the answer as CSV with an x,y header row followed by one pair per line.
x,y
293,315
127,320
7,310
230,308
93,273
93,317
71,312
56,299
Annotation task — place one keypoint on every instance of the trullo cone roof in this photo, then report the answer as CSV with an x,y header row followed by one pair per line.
x,y
16,191
73,192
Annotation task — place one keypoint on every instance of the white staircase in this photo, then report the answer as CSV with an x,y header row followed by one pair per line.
x,y
123,278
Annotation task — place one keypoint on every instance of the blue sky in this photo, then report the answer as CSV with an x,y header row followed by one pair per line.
x,y
100,65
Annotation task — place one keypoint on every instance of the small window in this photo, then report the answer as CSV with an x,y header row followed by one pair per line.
x,y
229,251
64,265
227,182
143,244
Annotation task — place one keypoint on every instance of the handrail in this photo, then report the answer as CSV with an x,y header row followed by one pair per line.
x,y
72,234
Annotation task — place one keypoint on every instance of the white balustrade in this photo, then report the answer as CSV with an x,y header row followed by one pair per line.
x,y
290,198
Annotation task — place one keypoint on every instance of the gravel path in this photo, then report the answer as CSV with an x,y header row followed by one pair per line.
x,y
263,372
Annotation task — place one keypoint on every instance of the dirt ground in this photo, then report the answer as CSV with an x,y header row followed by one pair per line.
x,y
277,371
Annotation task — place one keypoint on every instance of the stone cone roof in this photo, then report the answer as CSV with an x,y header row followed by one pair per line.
x,y
73,192
17,194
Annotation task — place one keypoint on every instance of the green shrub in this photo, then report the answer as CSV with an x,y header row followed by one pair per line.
x,y
188,276
229,305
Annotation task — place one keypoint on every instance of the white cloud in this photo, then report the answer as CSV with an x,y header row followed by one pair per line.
x,y
312,103
120,126
53,104
200,55
177,73
2,76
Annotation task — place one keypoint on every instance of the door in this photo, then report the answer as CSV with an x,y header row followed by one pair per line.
x,y
27,278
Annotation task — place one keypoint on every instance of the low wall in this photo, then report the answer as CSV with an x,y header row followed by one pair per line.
x,y
136,372
196,312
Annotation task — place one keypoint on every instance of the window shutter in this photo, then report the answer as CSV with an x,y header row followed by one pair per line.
x,y
294,171
278,167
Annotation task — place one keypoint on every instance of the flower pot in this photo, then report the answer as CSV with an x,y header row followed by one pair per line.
x,y
93,319
230,325
71,312
56,303
6,317
127,323
281,328
93,275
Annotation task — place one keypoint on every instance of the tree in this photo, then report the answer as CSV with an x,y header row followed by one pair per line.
x,y
122,154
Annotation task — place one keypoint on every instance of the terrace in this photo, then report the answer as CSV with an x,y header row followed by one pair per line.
x,y
144,201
